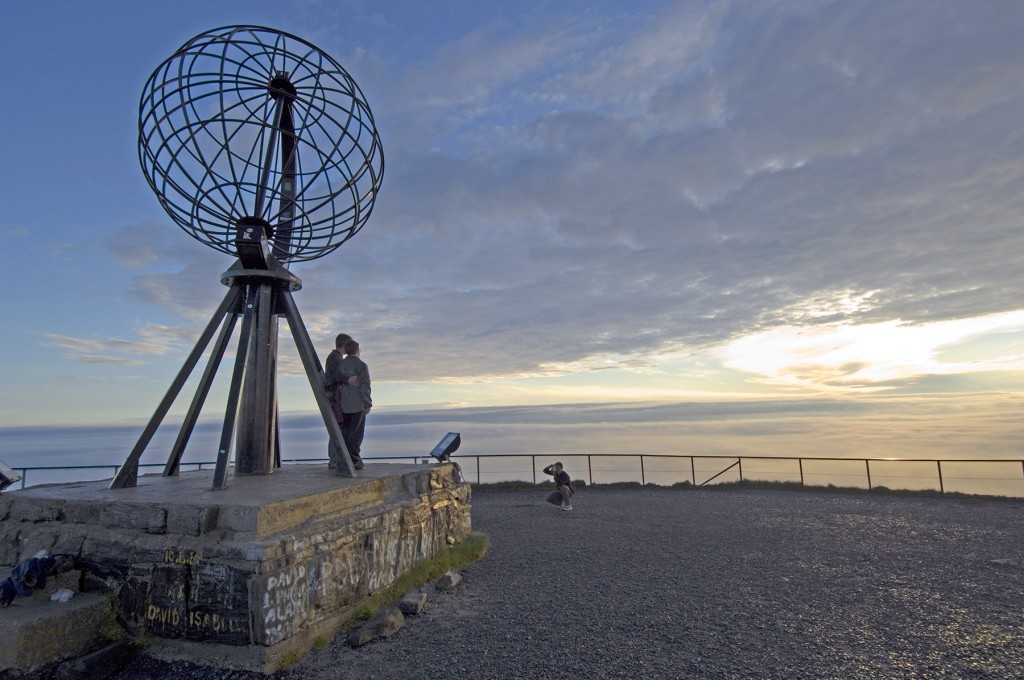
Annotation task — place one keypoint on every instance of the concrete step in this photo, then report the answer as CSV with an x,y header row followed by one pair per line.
x,y
38,633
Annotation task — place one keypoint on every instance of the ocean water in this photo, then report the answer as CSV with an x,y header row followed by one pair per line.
x,y
695,442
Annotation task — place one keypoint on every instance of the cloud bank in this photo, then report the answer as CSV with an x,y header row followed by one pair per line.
x,y
581,189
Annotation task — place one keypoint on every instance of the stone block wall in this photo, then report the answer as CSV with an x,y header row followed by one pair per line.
x,y
290,568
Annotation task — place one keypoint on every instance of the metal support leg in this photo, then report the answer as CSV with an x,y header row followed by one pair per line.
x,y
220,472
127,474
174,460
316,378
274,434
253,452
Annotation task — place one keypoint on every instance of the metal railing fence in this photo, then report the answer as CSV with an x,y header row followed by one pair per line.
x,y
996,477
990,477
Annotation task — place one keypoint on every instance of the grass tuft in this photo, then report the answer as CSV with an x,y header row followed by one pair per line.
x,y
290,659
110,630
459,555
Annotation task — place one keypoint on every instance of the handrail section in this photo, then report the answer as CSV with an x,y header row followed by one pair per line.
x,y
941,478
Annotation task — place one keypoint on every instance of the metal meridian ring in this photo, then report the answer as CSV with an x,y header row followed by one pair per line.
x,y
208,142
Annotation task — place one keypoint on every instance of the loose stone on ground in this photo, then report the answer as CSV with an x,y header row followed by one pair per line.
x,y
390,619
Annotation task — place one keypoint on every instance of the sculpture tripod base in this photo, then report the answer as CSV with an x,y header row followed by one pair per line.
x,y
258,297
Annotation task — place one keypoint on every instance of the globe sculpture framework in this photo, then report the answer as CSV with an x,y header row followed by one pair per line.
x,y
260,146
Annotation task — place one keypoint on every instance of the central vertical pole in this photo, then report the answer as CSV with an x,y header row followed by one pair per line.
x,y
257,428
285,95
284,92
254,453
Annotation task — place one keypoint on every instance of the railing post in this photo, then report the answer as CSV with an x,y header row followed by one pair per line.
x,y
800,461
867,466
643,479
533,465
693,472
590,470
942,489
739,462
478,470
24,476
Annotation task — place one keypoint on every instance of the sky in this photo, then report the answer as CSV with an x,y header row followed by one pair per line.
x,y
776,226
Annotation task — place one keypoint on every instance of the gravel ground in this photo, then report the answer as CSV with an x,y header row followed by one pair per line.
x,y
711,584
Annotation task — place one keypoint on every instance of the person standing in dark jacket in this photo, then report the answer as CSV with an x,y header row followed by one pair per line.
x,y
355,401
334,378
562,496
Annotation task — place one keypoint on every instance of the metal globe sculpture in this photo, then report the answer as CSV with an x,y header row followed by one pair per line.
x,y
244,122
259,145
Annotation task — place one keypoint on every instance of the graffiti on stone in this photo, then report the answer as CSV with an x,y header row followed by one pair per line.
x,y
164,616
285,605
217,623
212,590
187,596
383,555
165,608
219,575
337,576
191,558
219,586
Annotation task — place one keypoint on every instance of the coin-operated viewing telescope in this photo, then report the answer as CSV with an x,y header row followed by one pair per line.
x,y
261,146
7,476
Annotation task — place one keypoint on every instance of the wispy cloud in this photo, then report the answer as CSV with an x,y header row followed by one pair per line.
x,y
154,341
137,246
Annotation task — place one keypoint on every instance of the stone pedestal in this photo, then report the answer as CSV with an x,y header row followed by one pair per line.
x,y
243,576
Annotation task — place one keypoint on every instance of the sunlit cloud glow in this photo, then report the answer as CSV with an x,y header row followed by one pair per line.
x,y
871,356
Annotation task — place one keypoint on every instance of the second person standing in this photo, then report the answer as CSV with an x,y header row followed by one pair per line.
x,y
355,401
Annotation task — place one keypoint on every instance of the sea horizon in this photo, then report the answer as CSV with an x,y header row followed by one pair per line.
x,y
928,429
